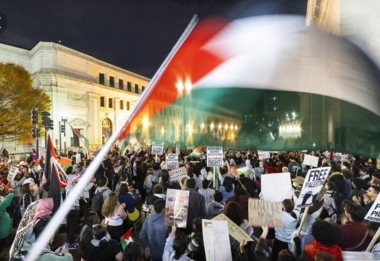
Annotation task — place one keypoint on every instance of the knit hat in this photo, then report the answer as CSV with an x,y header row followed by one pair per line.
x,y
299,180
28,181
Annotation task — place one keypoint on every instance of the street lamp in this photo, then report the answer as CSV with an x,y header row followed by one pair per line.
x,y
62,129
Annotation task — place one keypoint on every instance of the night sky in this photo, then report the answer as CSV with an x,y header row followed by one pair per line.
x,y
135,35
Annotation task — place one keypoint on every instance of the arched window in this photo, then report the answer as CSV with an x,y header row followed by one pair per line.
x,y
106,129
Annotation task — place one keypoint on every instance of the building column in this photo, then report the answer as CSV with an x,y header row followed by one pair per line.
x,y
93,117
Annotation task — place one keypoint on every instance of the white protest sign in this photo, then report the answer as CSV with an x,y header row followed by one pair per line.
x,y
276,187
234,230
261,213
357,256
216,240
157,147
12,173
172,161
310,161
314,181
215,157
374,212
177,174
263,154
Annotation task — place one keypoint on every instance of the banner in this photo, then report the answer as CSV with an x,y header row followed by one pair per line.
x,y
215,157
176,207
177,174
216,240
263,154
310,161
276,187
261,213
314,181
172,161
157,147
234,230
12,173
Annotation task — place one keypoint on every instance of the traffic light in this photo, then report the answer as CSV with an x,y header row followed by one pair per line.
x,y
46,121
34,116
35,133
63,128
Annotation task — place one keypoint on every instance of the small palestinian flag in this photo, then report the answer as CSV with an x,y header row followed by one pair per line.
x,y
126,239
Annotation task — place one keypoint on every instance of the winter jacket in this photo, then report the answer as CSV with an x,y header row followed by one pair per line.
x,y
5,220
154,232
214,209
314,247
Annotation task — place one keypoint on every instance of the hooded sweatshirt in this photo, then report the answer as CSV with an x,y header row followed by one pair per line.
x,y
154,232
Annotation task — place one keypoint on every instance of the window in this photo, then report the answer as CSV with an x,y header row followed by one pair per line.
x,y
102,101
136,88
112,81
128,106
101,78
110,105
142,88
121,84
129,86
121,105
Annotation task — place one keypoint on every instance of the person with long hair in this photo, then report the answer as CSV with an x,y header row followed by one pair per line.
x,y
86,232
26,197
114,215
101,248
241,197
128,200
227,189
175,247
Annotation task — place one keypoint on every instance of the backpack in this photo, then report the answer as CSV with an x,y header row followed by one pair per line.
x,y
338,200
97,200
296,171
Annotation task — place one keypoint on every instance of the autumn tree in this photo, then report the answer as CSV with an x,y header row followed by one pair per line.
x,y
17,99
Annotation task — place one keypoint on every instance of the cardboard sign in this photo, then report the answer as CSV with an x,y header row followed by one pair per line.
x,y
23,229
263,154
215,157
276,187
234,230
157,147
12,173
216,240
314,181
177,174
172,161
310,161
176,207
261,213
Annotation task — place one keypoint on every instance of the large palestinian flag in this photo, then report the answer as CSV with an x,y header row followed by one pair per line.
x,y
263,83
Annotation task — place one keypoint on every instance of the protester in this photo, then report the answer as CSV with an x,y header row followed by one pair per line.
x,y
216,207
114,215
5,220
175,246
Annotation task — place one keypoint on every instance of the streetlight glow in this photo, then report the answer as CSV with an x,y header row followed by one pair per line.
x,y
188,85
212,126
180,86
145,122
202,126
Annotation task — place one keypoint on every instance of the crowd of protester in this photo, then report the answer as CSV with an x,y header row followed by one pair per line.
x,y
128,193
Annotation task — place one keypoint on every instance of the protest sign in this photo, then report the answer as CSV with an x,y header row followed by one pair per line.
x,y
276,187
172,161
176,207
234,230
374,212
12,173
357,256
22,232
157,147
314,181
216,240
310,161
261,213
263,154
177,174
215,157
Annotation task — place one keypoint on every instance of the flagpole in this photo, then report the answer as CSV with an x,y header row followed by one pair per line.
x,y
56,220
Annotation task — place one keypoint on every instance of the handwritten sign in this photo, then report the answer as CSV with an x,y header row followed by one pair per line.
x,y
310,161
234,230
263,154
215,157
177,174
172,161
157,147
216,240
261,213
276,187
12,173
314,181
